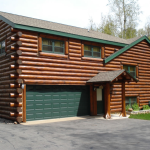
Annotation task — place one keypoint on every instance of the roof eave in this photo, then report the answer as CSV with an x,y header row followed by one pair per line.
x,y
59,33
7,21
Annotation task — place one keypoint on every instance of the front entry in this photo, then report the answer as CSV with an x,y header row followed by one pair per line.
x,y
100,101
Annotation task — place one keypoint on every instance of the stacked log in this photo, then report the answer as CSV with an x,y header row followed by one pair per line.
x,y
39,67
110,49
138,55
24,62
75,50
10,96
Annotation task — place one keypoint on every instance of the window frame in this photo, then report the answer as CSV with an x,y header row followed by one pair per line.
x,y
130,100
91,46
2,47
53,46
129,69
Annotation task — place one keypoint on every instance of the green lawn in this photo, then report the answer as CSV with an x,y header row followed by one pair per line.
x,y
140,116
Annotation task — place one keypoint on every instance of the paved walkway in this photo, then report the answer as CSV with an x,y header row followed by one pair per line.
x,y
81,134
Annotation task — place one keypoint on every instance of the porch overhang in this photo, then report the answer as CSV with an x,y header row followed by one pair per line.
x,y
113,76
105,79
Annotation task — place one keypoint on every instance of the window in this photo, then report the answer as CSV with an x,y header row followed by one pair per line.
x,y
131,100
92,51
131,70
2,47
52,46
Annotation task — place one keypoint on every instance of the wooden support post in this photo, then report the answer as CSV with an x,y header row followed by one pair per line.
x,y
66,47
107,103
123,100
24,104
39,44
102,52
82,50
121,66
138,101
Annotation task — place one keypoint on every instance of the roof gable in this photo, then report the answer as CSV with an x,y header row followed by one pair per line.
x,y
110,76
119,52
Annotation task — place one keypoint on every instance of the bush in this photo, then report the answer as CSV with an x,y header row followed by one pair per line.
x,y
146,107
127,107
135,107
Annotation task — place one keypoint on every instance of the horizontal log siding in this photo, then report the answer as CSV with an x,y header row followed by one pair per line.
x,y
10,96
110,49
137,55
70,68
75,50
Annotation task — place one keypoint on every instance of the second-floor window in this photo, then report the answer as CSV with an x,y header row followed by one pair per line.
x,y
130,69
92,51
52,46
2,47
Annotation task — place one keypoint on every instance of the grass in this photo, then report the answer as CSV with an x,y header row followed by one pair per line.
x,y
140,116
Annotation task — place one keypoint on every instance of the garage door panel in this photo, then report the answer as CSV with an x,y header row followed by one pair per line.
x,y
46,105
55,105
39,116
64,105
55,114
64,113
30,117
47,102
39,106
48,115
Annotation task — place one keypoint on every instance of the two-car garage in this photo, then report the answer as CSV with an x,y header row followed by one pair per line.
x,y
53,101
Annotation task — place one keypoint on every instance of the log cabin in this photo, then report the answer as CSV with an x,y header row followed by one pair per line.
x,y
50,70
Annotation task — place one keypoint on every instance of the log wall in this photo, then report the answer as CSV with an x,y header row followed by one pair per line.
x,y
24,62
110,49
139,56
10,90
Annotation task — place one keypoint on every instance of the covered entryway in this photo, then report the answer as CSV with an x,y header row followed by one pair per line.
x,y
103,80
53,101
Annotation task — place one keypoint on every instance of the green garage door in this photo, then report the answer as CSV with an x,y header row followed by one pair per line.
x,y
49,101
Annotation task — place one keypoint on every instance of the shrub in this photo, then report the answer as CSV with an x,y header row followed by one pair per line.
x,y
146,107
135,107
127,107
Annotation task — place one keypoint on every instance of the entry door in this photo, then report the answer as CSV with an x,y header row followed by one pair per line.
x,y
100,104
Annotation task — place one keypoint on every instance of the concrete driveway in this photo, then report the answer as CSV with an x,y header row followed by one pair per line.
x,y
84,134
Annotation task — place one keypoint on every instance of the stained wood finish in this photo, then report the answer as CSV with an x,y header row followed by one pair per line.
x,y
110,49
141,61
107,99
72,68
123,100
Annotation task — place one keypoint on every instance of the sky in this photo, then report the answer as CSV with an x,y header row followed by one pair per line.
x,y
70,12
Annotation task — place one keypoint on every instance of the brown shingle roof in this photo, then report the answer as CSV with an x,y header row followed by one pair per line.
x,y
109,76
60,27
106,76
